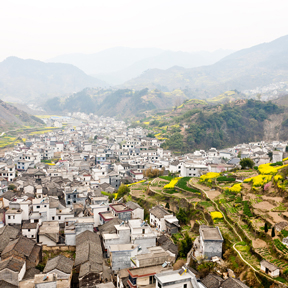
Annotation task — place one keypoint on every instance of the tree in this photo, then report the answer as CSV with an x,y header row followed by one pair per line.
x,y
182,216
167,205
273,232
122,191
152,173
11,187
95,137
151,135
246,163
185,246
266,228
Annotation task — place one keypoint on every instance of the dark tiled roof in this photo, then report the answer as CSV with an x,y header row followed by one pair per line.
x,y
233,283
12,263
133,205
159,212
5,284
269,265
109,227
88,248
30,273
90,267
22,246
29,225
212,281
60,263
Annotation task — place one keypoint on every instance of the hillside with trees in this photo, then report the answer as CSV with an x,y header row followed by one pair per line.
x,y
218,126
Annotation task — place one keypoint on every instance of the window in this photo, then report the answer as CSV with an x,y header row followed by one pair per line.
x,y
45,206
59,217
74,196
151,280
9,217
38,207
32,236
68,202
185,286
68,196
28,230
53,218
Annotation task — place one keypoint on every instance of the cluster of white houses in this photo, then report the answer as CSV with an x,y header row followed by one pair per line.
x,y
53,195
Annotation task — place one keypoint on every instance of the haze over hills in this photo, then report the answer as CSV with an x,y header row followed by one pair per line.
x,y
119,64
11,117
24,80
246,69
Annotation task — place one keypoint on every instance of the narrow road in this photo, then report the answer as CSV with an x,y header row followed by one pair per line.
x,y
233,228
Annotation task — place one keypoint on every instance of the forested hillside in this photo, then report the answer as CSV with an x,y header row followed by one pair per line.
x,y
122,103
217,126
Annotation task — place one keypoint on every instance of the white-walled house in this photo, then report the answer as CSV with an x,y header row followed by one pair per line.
x,y
191,169
13,216
183,278
269,268
157,219
30,230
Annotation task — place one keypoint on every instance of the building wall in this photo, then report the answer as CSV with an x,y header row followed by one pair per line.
x,y
70,239
138,213
212,248
159,223
125,216
60,274
30,234
46,241
121,259
22,272
9,276
14,218
96,212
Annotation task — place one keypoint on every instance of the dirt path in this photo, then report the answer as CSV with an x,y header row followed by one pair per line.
x,y
201,188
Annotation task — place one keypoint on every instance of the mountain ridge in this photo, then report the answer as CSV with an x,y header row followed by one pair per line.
x,y
33,79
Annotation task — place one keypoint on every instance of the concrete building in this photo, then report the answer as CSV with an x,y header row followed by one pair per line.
x,y
208,244
176,278
49,233
121,254
269,268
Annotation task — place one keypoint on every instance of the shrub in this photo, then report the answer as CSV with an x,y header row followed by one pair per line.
x,y
208,176
216,215
182,183
246,209
172,183
236,188
225,179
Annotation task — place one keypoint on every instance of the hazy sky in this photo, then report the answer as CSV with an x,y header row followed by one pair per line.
x,y
44,29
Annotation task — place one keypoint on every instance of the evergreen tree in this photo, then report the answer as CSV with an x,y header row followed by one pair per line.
x,y
266,228
167,205
273,232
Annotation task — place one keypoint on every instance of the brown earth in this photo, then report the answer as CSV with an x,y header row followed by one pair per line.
x,y
258,243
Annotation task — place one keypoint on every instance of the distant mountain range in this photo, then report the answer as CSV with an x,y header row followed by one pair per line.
x,y
246,69
24,80
120,64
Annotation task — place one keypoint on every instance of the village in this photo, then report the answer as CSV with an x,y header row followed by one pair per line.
x,y
95,203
